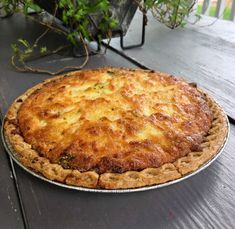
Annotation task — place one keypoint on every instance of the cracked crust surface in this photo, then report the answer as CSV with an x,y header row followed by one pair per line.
x,y
201,151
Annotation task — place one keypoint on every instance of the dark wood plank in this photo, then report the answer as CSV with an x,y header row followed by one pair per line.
x,y
203,201
199,53
10,211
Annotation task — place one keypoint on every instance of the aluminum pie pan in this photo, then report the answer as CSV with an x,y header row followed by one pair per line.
x,y
12,154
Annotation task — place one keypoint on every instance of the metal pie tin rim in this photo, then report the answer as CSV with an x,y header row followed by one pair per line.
x,y
11,153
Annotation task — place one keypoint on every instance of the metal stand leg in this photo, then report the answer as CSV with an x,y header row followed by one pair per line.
x,y
144,23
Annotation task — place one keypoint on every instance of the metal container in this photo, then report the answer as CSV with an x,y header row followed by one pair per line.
x,y
123,11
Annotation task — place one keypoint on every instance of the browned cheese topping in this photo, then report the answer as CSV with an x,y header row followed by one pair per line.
x,y
114,120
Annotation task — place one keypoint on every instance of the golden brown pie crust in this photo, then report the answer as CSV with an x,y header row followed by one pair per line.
x,y
109,179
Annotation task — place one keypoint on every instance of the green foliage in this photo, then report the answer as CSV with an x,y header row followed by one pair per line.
x,y
171,12
29,4
43,50
22,50
8,6
11,6
77,15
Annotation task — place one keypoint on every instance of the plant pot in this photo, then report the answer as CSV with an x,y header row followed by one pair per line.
x,y
123,11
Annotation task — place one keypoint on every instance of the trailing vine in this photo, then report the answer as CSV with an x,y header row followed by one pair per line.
x,y
76,17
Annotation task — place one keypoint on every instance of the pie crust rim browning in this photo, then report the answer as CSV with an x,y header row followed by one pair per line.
x,y
148,178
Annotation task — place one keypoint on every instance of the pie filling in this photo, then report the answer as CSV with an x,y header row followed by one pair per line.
x,y
114,120
114,128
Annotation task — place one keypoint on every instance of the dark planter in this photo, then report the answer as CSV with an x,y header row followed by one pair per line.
x,y
123,11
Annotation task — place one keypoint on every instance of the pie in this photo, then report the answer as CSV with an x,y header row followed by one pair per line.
x,y
115,128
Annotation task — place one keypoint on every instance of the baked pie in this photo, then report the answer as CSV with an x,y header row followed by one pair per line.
x,y
114,128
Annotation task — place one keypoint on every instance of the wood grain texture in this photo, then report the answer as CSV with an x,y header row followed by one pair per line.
x,y
200,53
10,211
203,201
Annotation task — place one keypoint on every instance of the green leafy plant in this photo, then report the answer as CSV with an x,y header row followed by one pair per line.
x,y
76,16
171,12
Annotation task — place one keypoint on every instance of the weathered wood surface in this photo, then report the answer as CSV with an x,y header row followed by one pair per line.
x,y
10,211
203,201
200,53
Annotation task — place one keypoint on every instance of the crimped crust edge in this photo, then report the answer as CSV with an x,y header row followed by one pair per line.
x,y
131,179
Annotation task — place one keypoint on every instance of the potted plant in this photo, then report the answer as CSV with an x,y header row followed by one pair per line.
x,y
171,12
97,15
89,20
84,20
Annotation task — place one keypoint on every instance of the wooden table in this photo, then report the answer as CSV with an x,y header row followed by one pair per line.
x,y
205,55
